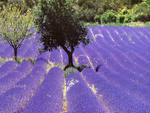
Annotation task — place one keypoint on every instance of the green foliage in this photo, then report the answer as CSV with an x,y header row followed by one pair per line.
x,y
30,3
86,15
14,25
142,11
97,18
24,4
147,1
2,3
86,9
125,16
108,17
91,10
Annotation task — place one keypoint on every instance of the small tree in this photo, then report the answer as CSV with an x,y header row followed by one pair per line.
x,y
14,26
60,27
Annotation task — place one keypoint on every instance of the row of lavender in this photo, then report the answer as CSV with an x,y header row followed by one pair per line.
x,y
30,89
121,83
125,39
25,88
123,79
110,94
43,93
108,41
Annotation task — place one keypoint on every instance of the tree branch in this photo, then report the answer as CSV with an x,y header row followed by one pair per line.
x,y
65,48
72,49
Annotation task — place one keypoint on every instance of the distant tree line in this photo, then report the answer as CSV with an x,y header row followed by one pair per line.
x,y
93,10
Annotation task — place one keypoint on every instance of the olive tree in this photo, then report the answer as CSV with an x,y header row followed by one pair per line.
x,y
59,27
14,26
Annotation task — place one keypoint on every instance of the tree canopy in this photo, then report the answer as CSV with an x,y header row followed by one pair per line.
x,y
14,26
60,27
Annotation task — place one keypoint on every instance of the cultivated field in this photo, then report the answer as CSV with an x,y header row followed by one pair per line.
x,y
116,80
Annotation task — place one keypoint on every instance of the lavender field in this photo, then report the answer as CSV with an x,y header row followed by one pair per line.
x,y
116,80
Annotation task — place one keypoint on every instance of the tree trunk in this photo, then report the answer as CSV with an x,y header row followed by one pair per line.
x,y
70,59
15,54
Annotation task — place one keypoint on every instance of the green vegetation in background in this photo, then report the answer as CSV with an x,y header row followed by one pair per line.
x,y
101,11
108,17
141,11
110,11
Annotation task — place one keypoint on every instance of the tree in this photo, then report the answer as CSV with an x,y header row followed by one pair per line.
x,y
59,26
31,3
3,2
14,26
